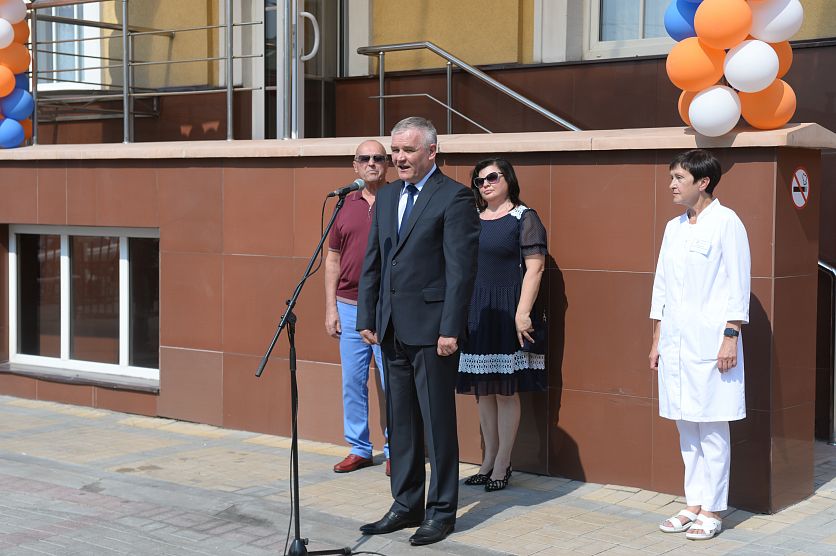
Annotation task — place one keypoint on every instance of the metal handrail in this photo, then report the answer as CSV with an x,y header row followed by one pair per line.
x,y
432,98
102,25
380,50
127,33
828,269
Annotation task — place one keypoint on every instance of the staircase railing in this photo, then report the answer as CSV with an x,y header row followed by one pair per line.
x,y
381,50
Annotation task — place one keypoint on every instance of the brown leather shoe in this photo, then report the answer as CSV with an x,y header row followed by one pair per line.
x,y
352,462
388,468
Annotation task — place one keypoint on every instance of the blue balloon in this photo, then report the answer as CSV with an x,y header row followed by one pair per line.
x,y
694,1
679,19
22,81
11,133
17,105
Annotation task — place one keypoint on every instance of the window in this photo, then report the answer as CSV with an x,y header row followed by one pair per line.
x,y
66,50
85,299
623,28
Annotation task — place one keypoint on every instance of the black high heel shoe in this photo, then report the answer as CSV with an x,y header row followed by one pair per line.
x,y
498,484
478,479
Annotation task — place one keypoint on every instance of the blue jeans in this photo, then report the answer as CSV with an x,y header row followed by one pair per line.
x,y
355,356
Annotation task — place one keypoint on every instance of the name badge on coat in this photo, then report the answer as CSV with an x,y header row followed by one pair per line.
x,y
701,246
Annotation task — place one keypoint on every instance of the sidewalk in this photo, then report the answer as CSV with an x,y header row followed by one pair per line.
x,y
83,481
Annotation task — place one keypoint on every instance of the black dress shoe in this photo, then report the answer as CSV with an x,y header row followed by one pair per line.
x,y
392,521
430,531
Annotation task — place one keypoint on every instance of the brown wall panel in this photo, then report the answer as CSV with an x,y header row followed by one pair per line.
x,y
621,323
191,207
260,404
191,300
253,190
52,192
254,294
19,191
590,197
139,403
191,388
604,428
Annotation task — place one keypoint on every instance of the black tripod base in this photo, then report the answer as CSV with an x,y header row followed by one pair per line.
x,y
297,548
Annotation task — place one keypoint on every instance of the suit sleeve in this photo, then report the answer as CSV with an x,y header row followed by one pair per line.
x,y
461,245
369,286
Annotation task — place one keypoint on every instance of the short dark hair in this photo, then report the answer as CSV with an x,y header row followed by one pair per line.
x,y
507,172
700,163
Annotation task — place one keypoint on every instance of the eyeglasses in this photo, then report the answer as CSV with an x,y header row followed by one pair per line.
x,y
492,179
364,158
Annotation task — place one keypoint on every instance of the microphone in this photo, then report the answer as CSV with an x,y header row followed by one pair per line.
x,y
356,185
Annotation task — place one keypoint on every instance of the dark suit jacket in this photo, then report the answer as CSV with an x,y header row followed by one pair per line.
x,y
422,283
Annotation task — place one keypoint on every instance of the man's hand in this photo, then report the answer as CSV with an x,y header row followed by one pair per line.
x,y
369,337
332,322
654,357
727,357
447,345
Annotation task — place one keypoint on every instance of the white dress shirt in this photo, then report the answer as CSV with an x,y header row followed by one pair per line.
x,y
405,194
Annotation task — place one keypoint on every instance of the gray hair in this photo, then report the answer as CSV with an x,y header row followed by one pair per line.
x,y
423,125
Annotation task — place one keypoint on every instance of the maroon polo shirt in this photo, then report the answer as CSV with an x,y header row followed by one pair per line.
x,y
349,237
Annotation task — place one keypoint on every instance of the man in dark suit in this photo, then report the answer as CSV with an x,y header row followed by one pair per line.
x,y
414,292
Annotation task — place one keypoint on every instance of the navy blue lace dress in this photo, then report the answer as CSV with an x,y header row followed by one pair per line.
x,y
491,359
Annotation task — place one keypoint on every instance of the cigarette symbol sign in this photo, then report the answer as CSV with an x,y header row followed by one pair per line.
x,y
800,188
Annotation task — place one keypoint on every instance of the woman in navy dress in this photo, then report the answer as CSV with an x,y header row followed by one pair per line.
x,y
500,357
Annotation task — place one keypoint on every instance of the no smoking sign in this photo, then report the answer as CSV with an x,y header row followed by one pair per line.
x,y
800,188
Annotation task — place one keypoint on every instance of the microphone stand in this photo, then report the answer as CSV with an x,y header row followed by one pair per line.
x,y
288,320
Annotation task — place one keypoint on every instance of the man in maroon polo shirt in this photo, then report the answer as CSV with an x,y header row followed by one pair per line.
x,y
346,249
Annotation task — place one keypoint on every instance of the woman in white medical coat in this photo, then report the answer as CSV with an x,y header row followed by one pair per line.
x,y
700,300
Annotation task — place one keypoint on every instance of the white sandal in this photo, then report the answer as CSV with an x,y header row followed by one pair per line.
x,y
709,527
691,516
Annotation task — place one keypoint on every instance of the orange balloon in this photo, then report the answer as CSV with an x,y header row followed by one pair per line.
x,y
723,23
7,81
693,66
21,31
27,128
784,51
15,57
684,103
770,108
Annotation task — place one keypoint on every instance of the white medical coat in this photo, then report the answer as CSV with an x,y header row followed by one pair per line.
x,y
702,281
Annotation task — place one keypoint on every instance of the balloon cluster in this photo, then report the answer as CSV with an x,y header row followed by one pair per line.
x,y
16,103
744,41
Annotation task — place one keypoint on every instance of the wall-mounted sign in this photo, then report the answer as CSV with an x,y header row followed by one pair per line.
x,y
800,188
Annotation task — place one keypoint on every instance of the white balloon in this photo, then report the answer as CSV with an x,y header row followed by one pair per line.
x,y
7,33
776,20
13,10
714,111
751,66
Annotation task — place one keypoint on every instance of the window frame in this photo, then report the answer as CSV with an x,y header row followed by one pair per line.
x,y
92,78
595,48
64,362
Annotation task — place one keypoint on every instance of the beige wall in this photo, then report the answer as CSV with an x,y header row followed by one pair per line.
x,y
501,31
477,31
819,20
168,14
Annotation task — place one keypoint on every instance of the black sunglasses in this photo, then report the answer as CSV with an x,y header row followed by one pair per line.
x,y
492,178
364,158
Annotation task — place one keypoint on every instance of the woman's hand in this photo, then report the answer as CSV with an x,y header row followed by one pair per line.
x,y
727,357
654,356
524,328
